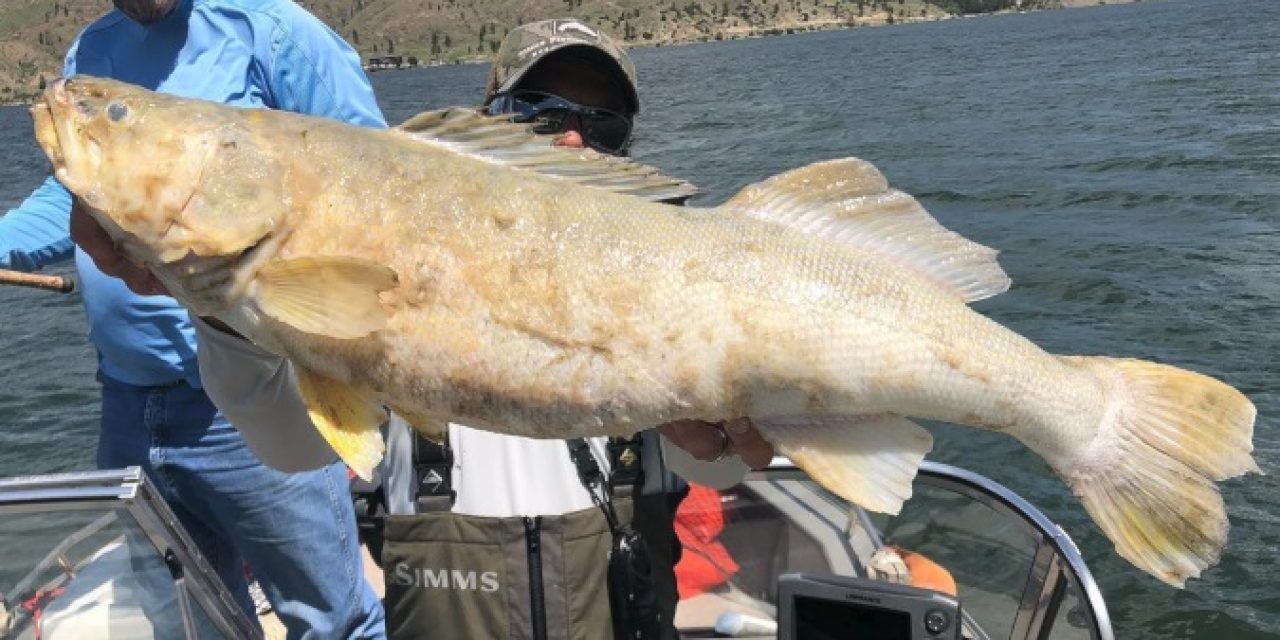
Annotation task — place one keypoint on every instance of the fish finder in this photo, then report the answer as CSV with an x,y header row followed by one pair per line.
x,y
831,607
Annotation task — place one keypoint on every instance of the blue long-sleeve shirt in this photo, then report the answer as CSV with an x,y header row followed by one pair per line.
x,y
248,53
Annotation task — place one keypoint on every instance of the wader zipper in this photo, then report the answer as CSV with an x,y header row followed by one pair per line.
x,y
537,599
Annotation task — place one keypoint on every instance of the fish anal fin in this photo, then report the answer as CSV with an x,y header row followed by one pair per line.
x,y
332,297
348,421
867,460
849,202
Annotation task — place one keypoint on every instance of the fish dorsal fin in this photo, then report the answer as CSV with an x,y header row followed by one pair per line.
x,y
498,140
848,201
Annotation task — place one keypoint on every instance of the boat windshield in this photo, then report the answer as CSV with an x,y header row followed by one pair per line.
x,y
1015,573
98,555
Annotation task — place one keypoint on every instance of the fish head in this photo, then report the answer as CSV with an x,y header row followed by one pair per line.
x,y
168,178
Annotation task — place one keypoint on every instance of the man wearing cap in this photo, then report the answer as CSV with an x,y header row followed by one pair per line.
x,y
564,66
520,511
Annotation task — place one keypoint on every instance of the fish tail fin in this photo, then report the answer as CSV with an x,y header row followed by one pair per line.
x,y
1147,478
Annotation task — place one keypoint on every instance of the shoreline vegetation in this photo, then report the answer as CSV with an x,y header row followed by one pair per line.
x,y
399,34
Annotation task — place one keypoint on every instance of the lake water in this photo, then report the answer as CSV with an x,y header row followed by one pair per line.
x,y
1124,159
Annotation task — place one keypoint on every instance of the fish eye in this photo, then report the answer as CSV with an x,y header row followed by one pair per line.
x,y
117,111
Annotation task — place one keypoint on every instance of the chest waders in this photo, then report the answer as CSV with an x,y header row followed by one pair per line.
x,y
598,573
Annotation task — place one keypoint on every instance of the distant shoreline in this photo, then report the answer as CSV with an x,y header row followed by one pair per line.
x,y
720,35
724,35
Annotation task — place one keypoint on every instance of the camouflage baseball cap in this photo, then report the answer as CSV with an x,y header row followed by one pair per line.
x,y
527,44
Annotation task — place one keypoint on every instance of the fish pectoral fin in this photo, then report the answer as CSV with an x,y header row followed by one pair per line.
x,y
867,460
848,202
348,421
333,297
499,140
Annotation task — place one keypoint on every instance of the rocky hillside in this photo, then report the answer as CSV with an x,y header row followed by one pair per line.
x,y
34,34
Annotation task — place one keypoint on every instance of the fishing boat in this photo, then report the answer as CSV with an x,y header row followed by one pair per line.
x,y
100,555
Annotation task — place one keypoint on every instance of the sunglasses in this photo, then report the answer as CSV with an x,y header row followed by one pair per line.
x,y
603,130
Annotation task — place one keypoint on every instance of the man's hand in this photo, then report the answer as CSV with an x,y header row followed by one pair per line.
x,y
712,441
90,236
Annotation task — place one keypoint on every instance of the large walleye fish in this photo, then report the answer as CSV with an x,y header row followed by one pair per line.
x,y
459,269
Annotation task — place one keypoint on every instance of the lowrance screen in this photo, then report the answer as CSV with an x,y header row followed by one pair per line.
x,y
817,619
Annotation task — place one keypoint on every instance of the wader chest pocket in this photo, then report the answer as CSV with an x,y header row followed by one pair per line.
x,y
475,578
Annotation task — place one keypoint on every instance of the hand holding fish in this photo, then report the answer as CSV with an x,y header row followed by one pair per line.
x,y
710,441
89,235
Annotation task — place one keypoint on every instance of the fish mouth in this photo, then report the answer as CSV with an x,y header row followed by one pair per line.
x,y
72,150
46,133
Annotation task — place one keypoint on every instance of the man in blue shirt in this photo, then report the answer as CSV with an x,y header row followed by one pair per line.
x,y
296,530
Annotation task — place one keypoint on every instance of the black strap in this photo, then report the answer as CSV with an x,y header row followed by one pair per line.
x,y
433,470
624,460
593,480
588,471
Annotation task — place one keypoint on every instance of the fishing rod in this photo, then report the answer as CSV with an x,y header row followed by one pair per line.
x,y
48,283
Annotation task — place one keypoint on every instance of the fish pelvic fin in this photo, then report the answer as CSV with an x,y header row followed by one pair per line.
x,y
349,422
499,140
1147,479
332,297
849,202
867,460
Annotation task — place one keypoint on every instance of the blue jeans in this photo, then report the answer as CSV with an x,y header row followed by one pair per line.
x,y
297,531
